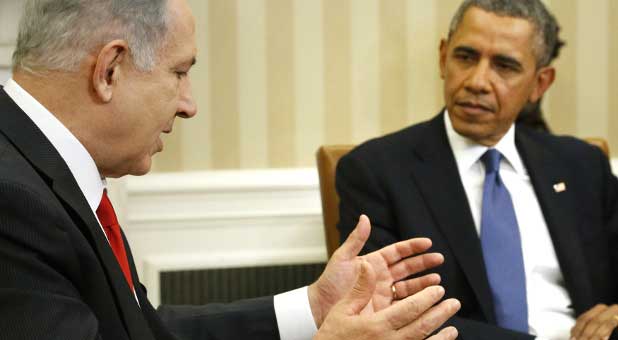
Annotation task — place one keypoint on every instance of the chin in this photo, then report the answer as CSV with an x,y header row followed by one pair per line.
x,y
472,131
140,172
141,167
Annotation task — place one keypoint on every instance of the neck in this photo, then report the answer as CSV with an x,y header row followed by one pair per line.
x,y
56,91
63,94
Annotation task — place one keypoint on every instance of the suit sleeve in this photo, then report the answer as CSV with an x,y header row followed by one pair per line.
x,y
246,319
361,192
35,256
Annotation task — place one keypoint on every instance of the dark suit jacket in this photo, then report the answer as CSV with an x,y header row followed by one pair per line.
x,y
409,186
58,276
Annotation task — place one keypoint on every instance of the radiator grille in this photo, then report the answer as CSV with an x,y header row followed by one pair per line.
x,y
196,287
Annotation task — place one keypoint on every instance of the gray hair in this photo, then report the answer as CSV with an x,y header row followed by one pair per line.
x,y
547,43
58,34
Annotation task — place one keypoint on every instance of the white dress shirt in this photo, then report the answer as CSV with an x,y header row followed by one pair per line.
x,y
294,317
550,315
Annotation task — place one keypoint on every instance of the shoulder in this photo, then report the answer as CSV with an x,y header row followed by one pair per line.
x,y
393,146
22,187
566,148
16,170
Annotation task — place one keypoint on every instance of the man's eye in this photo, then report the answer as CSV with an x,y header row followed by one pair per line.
x,y
463,57
505,67
180,74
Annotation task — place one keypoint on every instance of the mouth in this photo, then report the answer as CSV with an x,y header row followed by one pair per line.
x,y
159,141
474,108
158,145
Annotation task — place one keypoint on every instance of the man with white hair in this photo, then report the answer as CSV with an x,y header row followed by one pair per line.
x,y
95,83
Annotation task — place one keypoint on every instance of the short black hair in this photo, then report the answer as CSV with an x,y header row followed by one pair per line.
x,y
548,43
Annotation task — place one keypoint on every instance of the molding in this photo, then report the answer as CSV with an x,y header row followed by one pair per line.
x,y
224,181
220,196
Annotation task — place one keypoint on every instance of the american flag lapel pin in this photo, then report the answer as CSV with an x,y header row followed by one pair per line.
x,y
559,187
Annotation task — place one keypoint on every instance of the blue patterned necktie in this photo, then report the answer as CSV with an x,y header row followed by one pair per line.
x,y
502,252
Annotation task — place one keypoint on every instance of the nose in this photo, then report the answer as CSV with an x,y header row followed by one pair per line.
x,y
186,104
478,81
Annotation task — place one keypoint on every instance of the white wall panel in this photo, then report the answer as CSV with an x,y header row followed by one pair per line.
x,y
220,219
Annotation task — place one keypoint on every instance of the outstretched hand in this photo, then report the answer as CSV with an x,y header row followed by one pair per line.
x,y
413,318
390,266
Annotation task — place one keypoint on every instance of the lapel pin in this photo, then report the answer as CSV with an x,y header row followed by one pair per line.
x,y
559,187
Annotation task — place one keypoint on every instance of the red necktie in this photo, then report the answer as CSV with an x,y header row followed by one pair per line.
x,y
107,217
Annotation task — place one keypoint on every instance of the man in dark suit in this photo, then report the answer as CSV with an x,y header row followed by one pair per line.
x,y
94,85
470,174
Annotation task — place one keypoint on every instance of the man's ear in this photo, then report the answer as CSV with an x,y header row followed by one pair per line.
x,y
443,54
544,78
107,68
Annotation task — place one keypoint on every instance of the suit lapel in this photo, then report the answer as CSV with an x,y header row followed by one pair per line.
x,y
435,172
37,149
559,207
157,326
128,308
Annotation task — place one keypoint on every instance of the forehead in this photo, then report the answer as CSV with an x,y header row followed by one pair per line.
x,y
180,41
488,32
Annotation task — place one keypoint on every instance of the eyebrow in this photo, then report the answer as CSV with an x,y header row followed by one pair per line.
x,y
502,58
465,49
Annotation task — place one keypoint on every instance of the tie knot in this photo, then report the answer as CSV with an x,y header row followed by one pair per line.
x,y
105,211
491,159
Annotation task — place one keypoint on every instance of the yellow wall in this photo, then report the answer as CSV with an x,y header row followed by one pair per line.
x,y
277,78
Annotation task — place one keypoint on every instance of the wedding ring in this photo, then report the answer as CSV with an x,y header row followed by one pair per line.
x,y
394,290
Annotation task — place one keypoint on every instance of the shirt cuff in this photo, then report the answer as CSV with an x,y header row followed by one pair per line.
x,y
294,317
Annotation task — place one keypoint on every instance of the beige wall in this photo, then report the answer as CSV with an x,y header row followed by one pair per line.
x,y
277,78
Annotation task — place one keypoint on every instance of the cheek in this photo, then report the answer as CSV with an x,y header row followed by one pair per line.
x,y
449,85
511,97
161,111
169,102
454,80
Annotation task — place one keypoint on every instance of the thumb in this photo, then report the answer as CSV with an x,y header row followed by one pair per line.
x,y
360,295
356,240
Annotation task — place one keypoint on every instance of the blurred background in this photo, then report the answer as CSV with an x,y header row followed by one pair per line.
x,y
232,208
277,78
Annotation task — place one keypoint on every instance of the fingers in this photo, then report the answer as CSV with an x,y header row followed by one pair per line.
x,y
584,319
413,286
414,265
409,309
447,333
597,323
432,320
360,295
400,250
356,240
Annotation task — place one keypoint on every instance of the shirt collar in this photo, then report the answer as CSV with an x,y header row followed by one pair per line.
x,y
73,153
468,152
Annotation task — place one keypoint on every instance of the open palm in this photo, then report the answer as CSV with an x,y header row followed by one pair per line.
x,y
392,264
